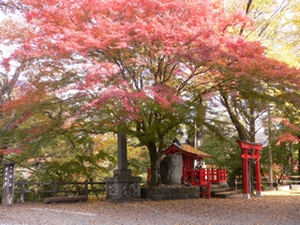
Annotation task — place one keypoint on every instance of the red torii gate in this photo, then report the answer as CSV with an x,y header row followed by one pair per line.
x,y
250,151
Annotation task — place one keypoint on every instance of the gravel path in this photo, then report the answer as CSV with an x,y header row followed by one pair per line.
x,y
273,208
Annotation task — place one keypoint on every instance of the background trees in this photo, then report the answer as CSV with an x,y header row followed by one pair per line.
x,y
275,29
13,32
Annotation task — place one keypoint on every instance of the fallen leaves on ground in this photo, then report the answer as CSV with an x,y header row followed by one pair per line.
x,y
274,207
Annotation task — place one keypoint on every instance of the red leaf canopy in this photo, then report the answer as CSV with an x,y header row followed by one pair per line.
x,y
157,50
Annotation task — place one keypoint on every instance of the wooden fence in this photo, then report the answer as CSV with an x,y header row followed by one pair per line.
x,y
287,180
38,190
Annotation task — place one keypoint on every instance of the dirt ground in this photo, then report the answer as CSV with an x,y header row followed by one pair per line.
x,y
274,207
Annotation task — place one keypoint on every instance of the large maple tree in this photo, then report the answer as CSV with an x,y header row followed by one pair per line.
x,y
142,65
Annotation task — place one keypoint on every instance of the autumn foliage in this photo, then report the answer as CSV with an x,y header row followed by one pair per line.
x,y
143,62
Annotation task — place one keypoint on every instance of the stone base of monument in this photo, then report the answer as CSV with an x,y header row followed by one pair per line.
x,y
123,186
168,192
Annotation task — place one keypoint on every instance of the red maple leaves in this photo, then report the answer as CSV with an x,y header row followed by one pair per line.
x,y
154,50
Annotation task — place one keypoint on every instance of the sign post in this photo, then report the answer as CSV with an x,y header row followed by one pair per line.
x,y
8,184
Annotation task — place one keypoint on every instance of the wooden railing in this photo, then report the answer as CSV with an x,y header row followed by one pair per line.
x,y
38,190
196,177
199,176
238,181
285,180
292,180
218,175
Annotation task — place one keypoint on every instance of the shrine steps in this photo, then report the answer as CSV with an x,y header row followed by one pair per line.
x,y
224,191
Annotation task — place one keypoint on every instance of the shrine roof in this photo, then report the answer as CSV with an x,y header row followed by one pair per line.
x,y
186,149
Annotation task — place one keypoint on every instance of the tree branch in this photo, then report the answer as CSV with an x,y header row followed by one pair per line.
x,y
247,12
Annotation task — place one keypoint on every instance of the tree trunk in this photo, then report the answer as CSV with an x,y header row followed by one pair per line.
x,y
252,120
154,165
155,159
242,133
299,161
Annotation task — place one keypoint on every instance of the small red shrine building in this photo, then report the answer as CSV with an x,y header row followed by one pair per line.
x,y
191,174
202,177
189,154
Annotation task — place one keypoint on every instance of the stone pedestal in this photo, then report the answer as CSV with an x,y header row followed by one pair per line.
x,y
246,196
259,193
170,192
123,185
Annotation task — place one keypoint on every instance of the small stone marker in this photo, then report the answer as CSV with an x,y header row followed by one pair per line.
x,y
8,184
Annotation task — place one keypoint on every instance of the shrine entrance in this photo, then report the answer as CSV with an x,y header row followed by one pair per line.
x,y
250,151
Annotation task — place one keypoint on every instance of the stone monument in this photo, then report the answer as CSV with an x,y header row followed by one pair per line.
x,y
122,185
171,169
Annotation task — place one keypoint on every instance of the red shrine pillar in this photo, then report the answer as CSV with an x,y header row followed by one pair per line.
x,y
250,151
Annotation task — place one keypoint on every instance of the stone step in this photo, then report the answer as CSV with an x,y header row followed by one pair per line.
x,y
219,186
65,199
226,194
220,190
